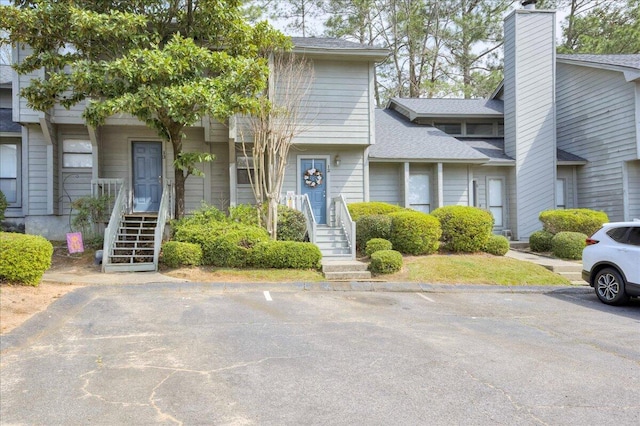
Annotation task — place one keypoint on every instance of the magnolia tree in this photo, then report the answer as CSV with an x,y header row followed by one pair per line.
x,y
168,63
283,113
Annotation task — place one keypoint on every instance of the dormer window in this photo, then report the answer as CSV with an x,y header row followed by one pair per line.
x,y
479,129
449,128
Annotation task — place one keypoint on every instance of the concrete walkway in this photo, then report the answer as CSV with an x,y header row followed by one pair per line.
x,y
570,269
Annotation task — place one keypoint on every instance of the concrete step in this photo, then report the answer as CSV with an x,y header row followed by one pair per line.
x,y
342,266
336,257
129,267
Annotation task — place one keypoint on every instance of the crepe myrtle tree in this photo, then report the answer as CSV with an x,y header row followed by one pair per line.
x,y
284,112
168,63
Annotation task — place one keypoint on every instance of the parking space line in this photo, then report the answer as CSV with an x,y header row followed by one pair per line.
x,y
268,296
426,298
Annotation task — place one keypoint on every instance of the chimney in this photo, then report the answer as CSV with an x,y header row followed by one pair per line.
x,y
529,113
529,4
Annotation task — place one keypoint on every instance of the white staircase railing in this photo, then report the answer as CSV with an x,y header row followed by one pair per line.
x,y
343,220
302,204
111,232
165,211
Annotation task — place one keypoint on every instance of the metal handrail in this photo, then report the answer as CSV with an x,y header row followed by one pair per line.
x,y
343,219
111,232
164,213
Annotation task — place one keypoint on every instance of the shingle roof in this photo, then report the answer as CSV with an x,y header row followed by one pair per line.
x,y
567,157
427,107
337,46
5,74
491,147
398,138
6,122
627,61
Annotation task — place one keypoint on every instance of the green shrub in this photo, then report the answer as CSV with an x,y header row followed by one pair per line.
x,y
413,232
292,225
497,245
246,214
464,228
540,241
222,243
573,220
377,244
3,205
205,215
357,210
385,262
372,226
568,245
285,255
24,258
90,211
177,253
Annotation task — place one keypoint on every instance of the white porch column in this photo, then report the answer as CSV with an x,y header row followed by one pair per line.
x,y
440,184
405,181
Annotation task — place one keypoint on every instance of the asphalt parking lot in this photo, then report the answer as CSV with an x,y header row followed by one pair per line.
x,y
208,354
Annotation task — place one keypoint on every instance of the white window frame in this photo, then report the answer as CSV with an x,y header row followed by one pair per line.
x,y
77,152
18,177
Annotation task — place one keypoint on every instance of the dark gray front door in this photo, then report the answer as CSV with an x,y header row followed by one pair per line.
x,y
315,186
147,176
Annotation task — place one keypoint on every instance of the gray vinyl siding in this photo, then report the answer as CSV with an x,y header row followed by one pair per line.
x,y
530,129
386,183
596,120
456,185
70,183
71,115
38,178
22,113
219,175
338,110
633,186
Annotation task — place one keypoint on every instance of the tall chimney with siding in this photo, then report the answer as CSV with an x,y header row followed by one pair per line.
x,y
529,114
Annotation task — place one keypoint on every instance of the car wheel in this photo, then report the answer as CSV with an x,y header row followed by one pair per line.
x,y
609,286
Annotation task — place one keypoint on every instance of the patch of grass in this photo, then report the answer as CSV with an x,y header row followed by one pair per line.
x,y
474,269
209,274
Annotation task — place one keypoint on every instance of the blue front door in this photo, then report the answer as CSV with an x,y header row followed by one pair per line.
x,y
147,176
314,184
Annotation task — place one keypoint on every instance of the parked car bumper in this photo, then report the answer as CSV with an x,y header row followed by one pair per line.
x,y
586,275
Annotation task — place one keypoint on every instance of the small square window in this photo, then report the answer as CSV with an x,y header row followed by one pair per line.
x,y
77,154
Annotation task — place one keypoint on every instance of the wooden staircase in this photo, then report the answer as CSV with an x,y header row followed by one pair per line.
x,y
133,249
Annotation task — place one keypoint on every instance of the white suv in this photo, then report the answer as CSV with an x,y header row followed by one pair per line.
x,y
611,262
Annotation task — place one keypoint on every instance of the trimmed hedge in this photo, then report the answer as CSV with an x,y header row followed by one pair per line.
x,y
497,245
385,262
292,225
177,253
464,228
377,244
416,233
285,255
540,241
573,220
357,210
568,245
223,243
372,226
245,214
24,258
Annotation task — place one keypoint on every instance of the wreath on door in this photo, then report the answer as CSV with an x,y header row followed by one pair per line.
x,y
313,177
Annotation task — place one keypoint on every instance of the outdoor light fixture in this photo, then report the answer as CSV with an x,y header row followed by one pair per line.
x,y
336,160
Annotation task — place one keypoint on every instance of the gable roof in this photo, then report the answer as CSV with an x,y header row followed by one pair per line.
x,y
414,108
623,61
399,139
337,47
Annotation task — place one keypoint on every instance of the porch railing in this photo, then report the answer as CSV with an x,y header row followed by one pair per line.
x,y
343,219
165,211
111,232
106,187
302,204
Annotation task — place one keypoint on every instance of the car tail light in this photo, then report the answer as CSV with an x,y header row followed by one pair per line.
x,y
591,241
